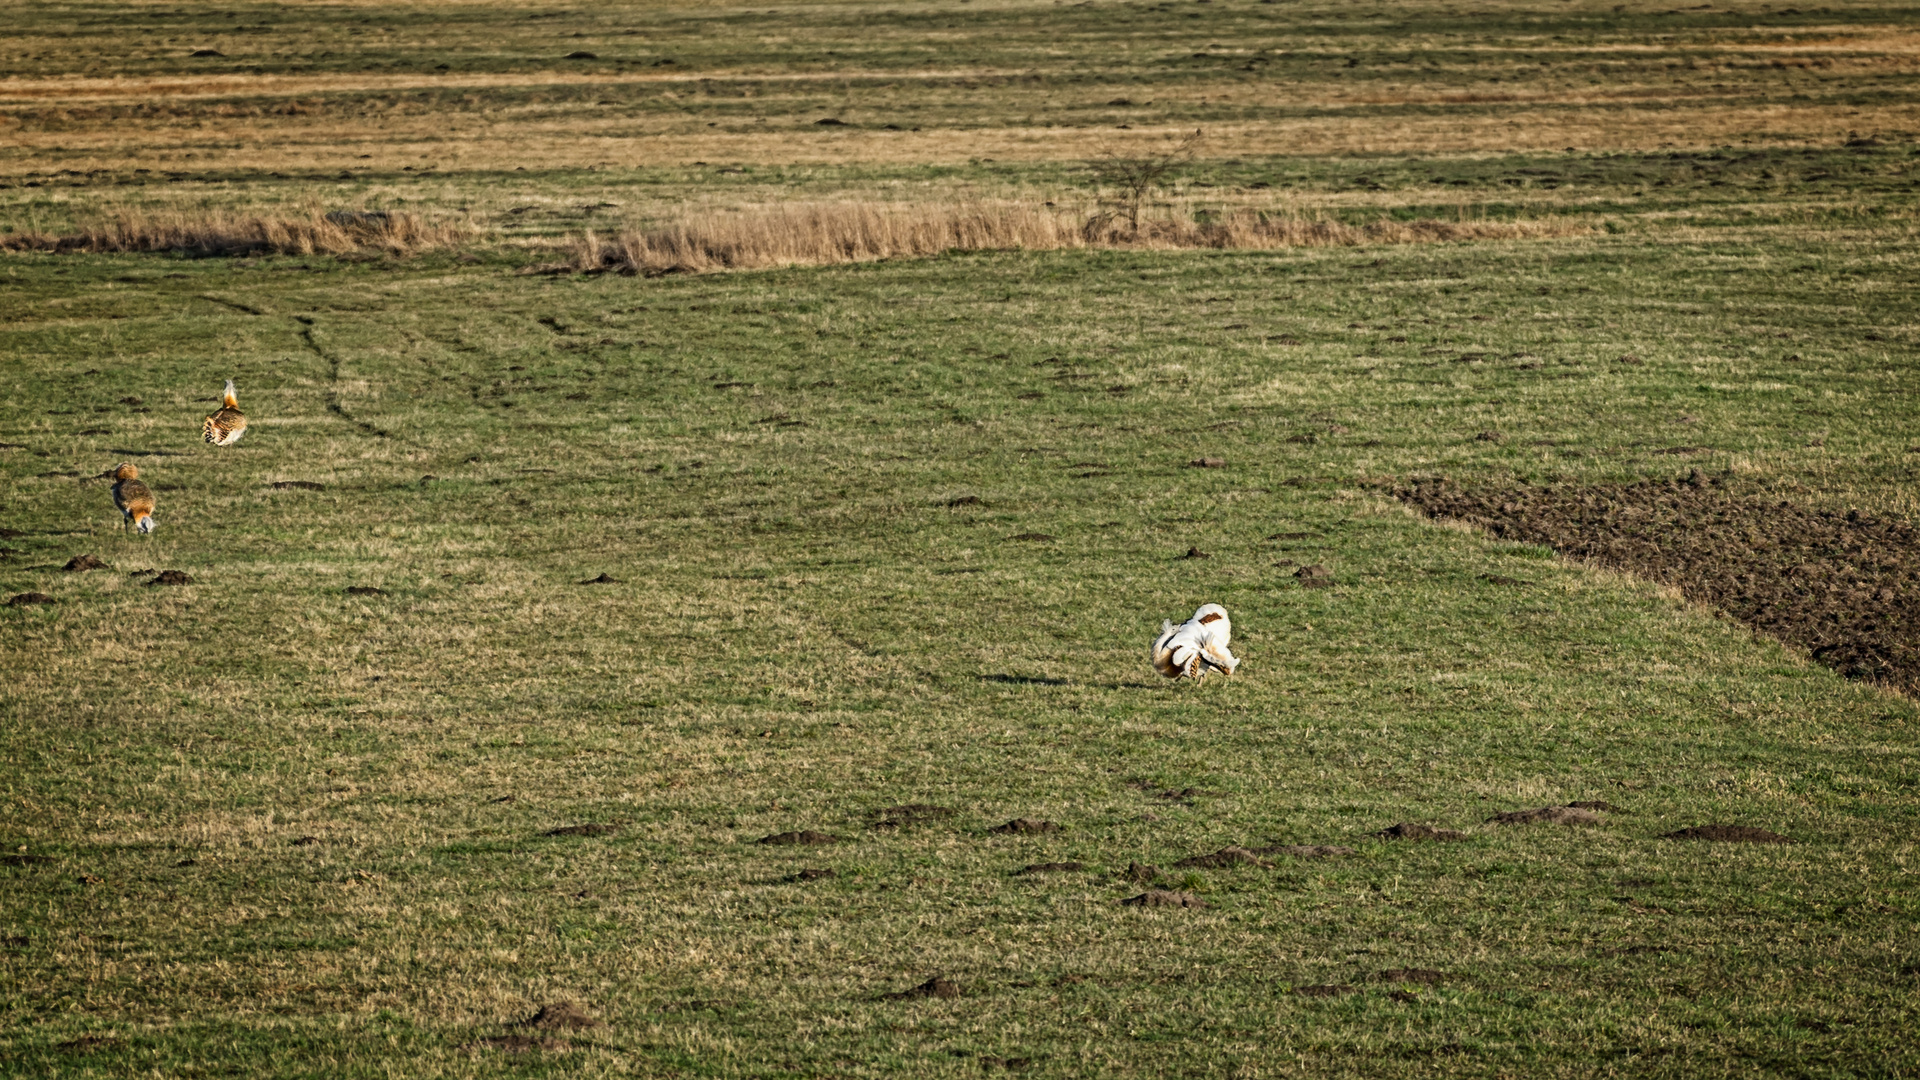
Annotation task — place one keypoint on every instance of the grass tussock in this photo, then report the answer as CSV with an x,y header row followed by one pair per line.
x,y
814,234
223,233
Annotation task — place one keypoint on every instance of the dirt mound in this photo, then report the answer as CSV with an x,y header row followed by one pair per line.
x,y
1164,898
1555,815
1597,804
28,599
1844,586
1021,826
296,485
1408,830
171,577
1323,990
1423,976
1226,856
1196,553
1041,538
83,562
804,836
365,590
591,828
1730,834
560,1016
1207,463
1051,868
935,987
1304,851
304,841
1314,577
967,500
519,1044
1139,873
603,579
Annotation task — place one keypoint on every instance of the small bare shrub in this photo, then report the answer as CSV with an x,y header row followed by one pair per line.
x,y
1132,178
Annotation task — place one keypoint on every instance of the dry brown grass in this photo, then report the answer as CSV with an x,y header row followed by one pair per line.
x,y
220,232
813,234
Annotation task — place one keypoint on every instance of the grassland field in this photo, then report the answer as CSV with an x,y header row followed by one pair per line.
x,y
899,533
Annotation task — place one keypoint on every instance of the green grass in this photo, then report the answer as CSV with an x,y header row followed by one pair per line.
x,y
807,631
812,485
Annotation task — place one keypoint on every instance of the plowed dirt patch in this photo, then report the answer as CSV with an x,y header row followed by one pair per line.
x,y
1845,587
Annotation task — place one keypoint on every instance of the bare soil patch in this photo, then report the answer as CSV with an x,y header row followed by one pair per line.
x,y
1729,834
909,815
365,590
1051,868
1323,990
560,1016
80,563
1423,976
1845,587
1025,827
591,828
28,599
1139,873
171,577
603,579
1164,898
1304,851
1554,815
935,987
1226,856
519,1044
801,837
1408,830
297,485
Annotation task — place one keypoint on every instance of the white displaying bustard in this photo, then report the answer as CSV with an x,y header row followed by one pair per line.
x,y
1196,646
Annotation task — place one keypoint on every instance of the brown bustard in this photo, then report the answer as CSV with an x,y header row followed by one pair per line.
x,y
134,498
225,427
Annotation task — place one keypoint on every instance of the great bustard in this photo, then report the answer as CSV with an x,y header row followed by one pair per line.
x,y
225,427
134,498
1196,646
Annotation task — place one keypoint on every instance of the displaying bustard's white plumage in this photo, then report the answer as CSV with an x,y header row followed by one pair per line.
x,y
1196,646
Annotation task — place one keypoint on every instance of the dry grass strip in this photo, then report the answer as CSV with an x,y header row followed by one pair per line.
x,y
814,234
220,232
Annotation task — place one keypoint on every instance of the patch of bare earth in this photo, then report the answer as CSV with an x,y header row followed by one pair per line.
x,y
1164,898
935,987
1408,830
1551,815
1728,834
1845,587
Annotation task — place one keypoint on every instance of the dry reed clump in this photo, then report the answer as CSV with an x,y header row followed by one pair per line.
x,y
218,232
805,234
